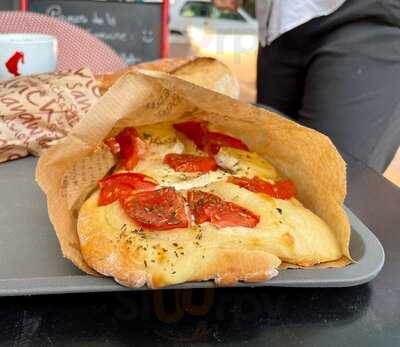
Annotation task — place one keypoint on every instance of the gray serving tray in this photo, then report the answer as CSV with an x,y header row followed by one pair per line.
x,y
31,260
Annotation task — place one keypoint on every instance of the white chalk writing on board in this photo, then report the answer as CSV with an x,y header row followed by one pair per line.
x,y
147,36
96,19
130,58
133,34
111,20
56,11
115,36
106,19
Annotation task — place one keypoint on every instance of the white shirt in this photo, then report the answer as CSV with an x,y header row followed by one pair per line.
x,y
275,17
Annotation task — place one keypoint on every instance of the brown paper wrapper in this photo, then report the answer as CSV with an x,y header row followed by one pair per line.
x,y
37,111
68,171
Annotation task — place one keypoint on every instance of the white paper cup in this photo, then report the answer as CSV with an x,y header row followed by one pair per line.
x,y
27,54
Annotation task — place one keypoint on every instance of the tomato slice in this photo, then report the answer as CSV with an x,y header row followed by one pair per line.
x,y
109,194
161,209
207,207
113,145
280,190
190,163
138,151
124,138
132,147
119,185
206,140
214,141
129,146
196,131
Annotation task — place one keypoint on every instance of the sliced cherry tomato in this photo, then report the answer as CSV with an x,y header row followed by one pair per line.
x,y
109,194
135,180
279,190
113,145
124,138
119,185
196,131
190,163
130,147
206,140
138,152
216,140
160,209
207,207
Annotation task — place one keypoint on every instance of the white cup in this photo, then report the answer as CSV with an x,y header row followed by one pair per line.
x,y
27,54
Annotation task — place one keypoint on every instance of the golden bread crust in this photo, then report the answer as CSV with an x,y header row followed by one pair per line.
x,y
135,258
203,71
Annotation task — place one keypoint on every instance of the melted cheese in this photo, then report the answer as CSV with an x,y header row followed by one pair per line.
x,y
243,163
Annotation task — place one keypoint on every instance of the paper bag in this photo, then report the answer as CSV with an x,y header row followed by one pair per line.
x,y
37,111
69,171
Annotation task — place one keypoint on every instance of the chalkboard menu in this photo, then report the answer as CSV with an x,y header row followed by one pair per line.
x,y
133,29
9,5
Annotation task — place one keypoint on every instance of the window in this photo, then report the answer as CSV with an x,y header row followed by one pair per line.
x,y
196,9
225,14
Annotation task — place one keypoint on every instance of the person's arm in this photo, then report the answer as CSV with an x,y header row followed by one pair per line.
x,y
231,5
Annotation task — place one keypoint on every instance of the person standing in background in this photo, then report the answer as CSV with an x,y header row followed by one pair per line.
x,y
333,65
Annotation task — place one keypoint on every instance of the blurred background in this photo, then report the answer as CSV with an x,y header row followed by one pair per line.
x,y
198,28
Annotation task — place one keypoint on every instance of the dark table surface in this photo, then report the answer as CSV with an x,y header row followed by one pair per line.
x,y
366,315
